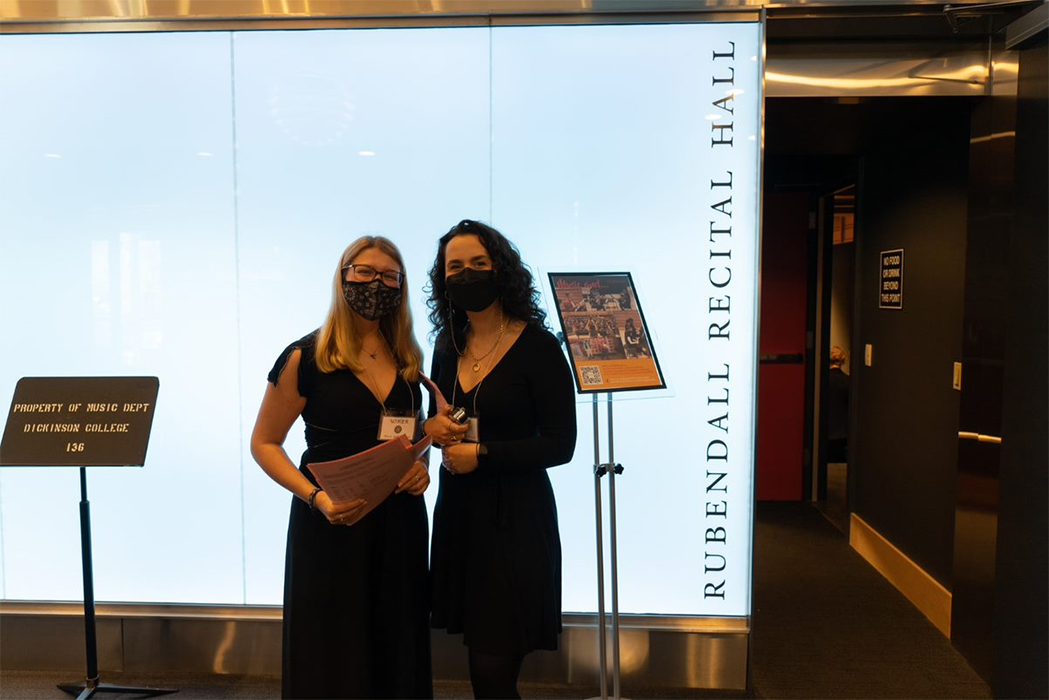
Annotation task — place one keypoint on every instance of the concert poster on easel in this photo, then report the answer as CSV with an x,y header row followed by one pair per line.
x,y
608,341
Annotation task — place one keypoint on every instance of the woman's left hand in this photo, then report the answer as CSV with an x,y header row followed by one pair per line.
x,y
460,459
415,481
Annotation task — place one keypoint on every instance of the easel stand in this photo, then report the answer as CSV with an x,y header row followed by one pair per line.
x,y
92,685
611,469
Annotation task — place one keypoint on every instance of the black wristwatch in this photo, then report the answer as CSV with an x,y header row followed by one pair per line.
x,y
482,453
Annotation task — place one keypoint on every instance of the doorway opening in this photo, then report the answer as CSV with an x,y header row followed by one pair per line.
x,y
836,381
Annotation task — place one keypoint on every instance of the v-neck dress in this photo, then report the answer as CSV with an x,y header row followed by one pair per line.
x,y
495,558
356,599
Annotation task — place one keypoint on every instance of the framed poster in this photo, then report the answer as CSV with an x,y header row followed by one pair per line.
x,y
608,341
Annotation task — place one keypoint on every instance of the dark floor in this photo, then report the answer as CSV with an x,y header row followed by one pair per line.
x,y
825,625
835,507
37,685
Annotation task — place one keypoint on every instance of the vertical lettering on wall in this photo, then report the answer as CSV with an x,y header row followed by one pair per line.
x,y
717,423
724,74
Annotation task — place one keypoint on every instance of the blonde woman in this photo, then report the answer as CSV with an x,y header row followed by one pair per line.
x,y
356,597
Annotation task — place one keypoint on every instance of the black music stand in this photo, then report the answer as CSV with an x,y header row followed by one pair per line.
x,y
82,422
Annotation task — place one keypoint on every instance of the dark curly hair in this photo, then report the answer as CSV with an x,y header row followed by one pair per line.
x,y
517,292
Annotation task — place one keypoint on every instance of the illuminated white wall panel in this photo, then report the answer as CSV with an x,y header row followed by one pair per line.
x,y
174,205
342,134
602,161
117,258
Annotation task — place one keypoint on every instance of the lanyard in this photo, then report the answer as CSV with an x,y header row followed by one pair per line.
x,y
458,365
375,385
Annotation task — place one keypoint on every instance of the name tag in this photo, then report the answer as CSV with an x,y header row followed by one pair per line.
x,y
473,429
392,427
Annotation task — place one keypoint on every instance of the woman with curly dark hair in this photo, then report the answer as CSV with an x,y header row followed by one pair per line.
x,y
496,552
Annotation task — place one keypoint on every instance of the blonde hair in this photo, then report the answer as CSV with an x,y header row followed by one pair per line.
x,y
338,344
837,356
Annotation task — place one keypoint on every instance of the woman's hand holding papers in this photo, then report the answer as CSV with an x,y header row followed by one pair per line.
x,y
342,514
415,481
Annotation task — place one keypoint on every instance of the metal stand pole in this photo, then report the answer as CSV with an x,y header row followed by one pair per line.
x,y
600,469
601,632
90,639
612,471
91,685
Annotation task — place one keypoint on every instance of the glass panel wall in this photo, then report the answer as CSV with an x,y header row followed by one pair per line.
x,y
175,205
342,134
117,257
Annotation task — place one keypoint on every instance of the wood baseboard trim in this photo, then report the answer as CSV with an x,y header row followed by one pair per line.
x,y
925,592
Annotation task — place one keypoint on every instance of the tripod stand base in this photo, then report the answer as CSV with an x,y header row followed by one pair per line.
x,y
87,689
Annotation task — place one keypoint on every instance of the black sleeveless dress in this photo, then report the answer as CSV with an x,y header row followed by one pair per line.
x,y
356,599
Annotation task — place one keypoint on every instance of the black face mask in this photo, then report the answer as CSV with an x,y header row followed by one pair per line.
x,y
372,300
472,290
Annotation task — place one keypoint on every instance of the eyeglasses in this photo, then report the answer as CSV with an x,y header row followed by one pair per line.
x,y
367,273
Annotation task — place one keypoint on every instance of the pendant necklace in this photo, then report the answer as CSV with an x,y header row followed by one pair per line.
x,y
477,360
374,354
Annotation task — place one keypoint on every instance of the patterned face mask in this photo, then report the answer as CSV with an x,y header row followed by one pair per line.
x,y
372,300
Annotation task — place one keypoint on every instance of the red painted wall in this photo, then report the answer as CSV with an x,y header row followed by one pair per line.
x,y
781,387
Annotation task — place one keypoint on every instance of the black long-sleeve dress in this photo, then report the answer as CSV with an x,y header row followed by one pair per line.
x,y
496,552
356,599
